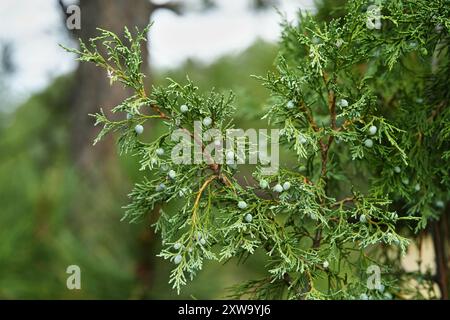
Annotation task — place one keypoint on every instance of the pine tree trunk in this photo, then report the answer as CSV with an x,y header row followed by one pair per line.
x,y
441,256
92,89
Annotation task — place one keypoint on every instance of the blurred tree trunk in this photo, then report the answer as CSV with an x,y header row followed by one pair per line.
x,y
92,89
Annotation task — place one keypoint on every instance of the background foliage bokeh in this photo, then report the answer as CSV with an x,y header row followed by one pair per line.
x,y
43,230
54,216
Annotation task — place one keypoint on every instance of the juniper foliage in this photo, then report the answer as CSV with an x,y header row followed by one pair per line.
x,y
364,108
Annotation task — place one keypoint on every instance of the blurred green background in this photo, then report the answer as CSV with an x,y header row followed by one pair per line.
x,y
55,214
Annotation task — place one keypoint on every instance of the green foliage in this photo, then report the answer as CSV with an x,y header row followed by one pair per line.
x,y
47,229
231,72
42,233
361,109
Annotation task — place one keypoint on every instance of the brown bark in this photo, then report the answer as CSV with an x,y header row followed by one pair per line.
x,y
439,242
92,89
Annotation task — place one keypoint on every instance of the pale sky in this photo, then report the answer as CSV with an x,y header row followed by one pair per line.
x,y
35,27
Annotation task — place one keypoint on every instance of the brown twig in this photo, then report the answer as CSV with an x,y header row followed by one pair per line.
x,y
332,106
340,202
436,111
158,111
325,147
309,116
440,258
199,195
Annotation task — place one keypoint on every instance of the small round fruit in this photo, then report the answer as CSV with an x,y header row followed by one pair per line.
x,y
177,259
207,121
381,288
202,241
405,181
184,108
440,204
373,130
278,188
412,44
368,143
248,217
326,264
242,204
343,103
363,296
417,187
139,129
160,187
302,140
397,169
177,246
172,174
160,151
363,218
263,184
129,116
286,185
290,104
